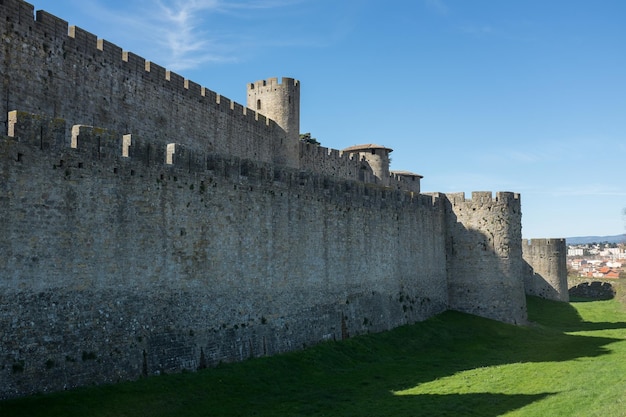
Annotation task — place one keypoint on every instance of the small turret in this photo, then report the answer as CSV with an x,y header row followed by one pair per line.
x,y
409,181
377,157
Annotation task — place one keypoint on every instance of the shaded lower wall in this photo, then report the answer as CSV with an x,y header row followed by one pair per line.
x,y
545,272
113,269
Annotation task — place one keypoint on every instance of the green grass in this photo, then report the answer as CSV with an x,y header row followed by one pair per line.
x,y
570,362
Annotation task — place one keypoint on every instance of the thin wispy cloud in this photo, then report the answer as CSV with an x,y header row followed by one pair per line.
x,y
182,25
179,25
183,34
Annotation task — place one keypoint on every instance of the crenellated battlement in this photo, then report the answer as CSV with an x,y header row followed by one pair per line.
x,y
91,145
483,197
97,145
558,244
273,83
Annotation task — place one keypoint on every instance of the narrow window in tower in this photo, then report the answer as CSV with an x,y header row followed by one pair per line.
x,y
258,104
289,99
126,143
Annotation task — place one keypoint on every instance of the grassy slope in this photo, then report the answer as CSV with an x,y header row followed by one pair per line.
x,y
570,362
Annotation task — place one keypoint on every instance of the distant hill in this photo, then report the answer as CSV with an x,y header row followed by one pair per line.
x,y
582,240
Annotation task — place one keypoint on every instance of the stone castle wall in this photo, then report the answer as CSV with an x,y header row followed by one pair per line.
x,y
546,268
151,225
115,267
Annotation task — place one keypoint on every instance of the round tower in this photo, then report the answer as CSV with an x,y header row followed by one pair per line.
x,y
279,102
377,157
546,273
484,255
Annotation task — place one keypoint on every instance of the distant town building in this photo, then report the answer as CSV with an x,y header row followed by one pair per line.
x,y
596,261
574,251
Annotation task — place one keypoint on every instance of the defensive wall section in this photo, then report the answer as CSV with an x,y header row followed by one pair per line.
x,y
546,268
115,267
151,225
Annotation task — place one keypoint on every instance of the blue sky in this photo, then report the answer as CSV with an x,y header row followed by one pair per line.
x,y
504,95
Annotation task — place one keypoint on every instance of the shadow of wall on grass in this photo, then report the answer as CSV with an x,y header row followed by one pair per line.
x,y
466,405
429,405
496,345
564,317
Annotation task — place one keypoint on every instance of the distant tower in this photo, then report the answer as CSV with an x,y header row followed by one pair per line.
x,y
281,103
377,157
409,180
546,273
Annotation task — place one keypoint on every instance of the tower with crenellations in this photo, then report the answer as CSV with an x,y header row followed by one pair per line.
x,y
279,101
484,255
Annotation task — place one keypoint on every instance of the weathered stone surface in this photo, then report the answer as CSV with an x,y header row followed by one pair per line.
x,y
142,267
